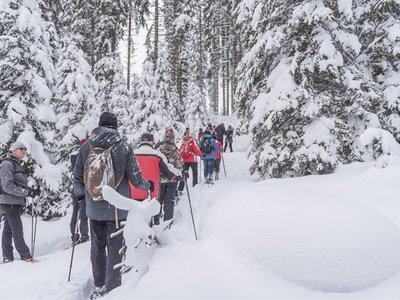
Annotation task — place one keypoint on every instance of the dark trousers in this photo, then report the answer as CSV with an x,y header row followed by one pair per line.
x,y
166,199
83,225
194,167
208,167
103,262
217,164
13,231
226,145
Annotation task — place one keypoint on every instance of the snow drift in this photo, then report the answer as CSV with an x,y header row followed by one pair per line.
x,y
318,241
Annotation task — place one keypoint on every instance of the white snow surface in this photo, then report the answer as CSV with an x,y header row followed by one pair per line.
x,y
316,237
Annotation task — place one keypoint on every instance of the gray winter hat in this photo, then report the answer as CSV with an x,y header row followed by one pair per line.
x,y
16,145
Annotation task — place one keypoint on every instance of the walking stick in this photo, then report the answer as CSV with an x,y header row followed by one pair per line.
x,y
34,226
200,172
223,163
73,244
191,210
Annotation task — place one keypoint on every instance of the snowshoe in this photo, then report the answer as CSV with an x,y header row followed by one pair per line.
x,y
98,292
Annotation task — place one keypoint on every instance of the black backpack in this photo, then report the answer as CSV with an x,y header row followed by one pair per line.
x,y
206,146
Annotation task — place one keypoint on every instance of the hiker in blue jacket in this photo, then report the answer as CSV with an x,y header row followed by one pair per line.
x,y
208,145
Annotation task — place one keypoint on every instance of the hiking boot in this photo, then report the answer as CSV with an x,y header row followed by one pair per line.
x,y
7,260
216,176
98,292
83,239
75,238
28,260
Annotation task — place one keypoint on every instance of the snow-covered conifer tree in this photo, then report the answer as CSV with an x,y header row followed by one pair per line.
x,y
77,112
26,99
147,111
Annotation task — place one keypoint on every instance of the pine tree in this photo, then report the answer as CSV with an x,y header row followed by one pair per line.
x,y
147,111
26,99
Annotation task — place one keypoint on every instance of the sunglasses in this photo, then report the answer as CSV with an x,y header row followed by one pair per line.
x,y
22,149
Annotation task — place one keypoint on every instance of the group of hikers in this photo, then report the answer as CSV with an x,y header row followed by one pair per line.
x,y
152,170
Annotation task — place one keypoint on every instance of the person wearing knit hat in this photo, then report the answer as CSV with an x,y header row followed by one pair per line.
x,y
104,218
18,145
13,192
168,187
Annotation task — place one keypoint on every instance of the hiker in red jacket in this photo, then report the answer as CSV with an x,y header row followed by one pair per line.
x,y
152,164
189,151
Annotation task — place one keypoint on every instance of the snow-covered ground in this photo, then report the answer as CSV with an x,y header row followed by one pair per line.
x,y
317,237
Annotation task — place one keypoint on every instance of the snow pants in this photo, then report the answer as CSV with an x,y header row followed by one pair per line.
x,y
103,262
217,165
83,224
167,194
13,231
226,145
194,167
208,167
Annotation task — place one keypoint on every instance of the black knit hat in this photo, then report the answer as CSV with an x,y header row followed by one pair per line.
x,y
108,119
147,137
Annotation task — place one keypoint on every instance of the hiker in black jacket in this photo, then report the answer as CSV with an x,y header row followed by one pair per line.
x,y
102,215
220,132
229,138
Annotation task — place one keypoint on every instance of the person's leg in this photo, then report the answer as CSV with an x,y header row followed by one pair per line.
x,y
163,187
113,277
98,230
230,146
15,223
194,166
83,226
217,169
169,201
74,219
6,241
205,169
210,169
181,185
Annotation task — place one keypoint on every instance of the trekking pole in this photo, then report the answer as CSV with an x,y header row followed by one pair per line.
x,y
200,175
191,210
73,244
34,226
32,223
223,163
34,230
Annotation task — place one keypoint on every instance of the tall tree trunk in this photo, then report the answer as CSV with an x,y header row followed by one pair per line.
x,y
156,27
128,69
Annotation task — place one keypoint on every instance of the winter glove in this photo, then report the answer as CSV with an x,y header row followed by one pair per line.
x,y
185,174
81,198
151,188
178,178
33,192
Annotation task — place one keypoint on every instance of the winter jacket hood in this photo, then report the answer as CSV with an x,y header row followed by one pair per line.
x,y
189,149
104,137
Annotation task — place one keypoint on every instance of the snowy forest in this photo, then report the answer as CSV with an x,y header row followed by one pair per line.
x,y
315,83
